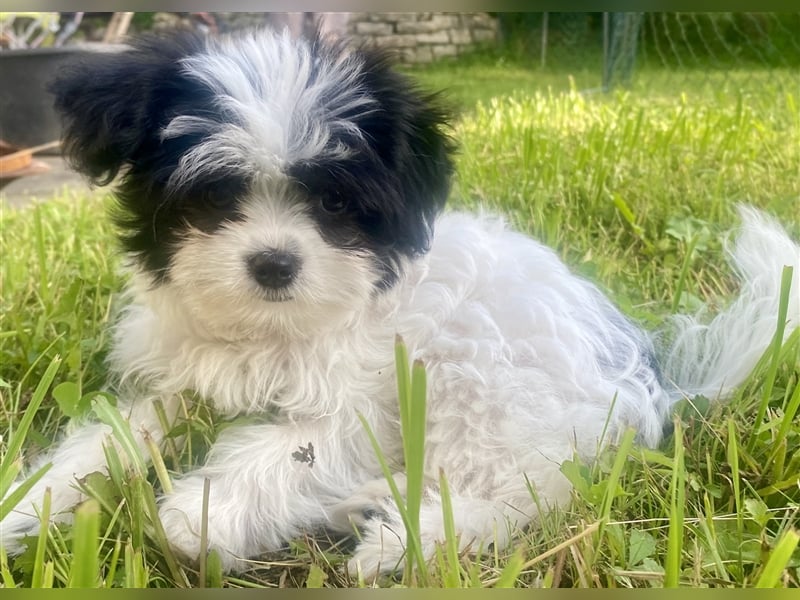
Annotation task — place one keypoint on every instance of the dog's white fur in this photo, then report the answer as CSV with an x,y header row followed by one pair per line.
x,y
527,364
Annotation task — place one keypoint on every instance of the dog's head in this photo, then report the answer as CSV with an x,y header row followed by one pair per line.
x,y
270,181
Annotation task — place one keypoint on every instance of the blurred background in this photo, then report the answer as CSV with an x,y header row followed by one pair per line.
x,y
475,56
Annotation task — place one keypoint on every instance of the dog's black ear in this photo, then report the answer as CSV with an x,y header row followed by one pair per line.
x,y
410,134
112,103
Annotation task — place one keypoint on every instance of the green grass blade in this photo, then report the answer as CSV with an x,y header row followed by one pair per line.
x,y
411,546
403,376
789,415
136,573
13,469
49,574
732,452
778,560
411,390
18,438
109,415
204,533
6,577
148,501
612,483
214,570
14,498
41,255
113,564
116,471
37,577
775,352
316,577
451,568
508,576
157,461
708,529
414,443
672,568
136,493
85,546
681,284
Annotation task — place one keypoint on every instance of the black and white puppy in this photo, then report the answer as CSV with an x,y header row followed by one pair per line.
x,y
281,204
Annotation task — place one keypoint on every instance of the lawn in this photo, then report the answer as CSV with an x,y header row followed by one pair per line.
x,y
635,189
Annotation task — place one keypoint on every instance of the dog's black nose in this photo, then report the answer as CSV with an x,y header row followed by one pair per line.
x,y
274,269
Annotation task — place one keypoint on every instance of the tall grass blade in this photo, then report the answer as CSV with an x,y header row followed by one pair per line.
x,y
41,255
148,501
411,391
14,498
508,576
17,439
113,564
136,572
109,415
778,560
204,533
387,473
6,577
677,491
214,570
85,546
37,577
732,452
403,377
157,461
451,567
414,446
681,284
775,353
789,415
49,575
612,483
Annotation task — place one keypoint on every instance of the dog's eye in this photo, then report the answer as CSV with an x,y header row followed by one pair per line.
x,y
219,200
333,203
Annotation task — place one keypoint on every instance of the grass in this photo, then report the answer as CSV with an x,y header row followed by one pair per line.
x,y
635,189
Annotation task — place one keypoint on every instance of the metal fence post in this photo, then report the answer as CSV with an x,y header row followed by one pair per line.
x,y
620,36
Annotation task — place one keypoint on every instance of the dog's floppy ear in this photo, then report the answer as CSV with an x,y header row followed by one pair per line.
x,y
409,137
112,103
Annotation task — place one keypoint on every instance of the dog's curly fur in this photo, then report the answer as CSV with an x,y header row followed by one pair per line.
x,y
281,204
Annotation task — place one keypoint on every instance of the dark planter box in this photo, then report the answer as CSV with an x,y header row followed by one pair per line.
x,y
27,117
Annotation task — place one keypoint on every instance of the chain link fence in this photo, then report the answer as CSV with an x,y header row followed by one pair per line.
x,y
609,49
707,48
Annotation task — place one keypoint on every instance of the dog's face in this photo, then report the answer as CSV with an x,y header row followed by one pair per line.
x,y
273,182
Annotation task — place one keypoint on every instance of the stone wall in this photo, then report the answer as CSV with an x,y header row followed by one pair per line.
x,y
422,37
417,37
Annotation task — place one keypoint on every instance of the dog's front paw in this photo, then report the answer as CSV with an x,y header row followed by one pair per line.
x,y
367,503
382,548
181,516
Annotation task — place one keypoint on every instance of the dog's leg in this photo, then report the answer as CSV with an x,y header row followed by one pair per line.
x,y
78,454
480,525
267,485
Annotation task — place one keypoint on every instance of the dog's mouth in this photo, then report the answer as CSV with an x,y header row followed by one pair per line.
x,y
277,297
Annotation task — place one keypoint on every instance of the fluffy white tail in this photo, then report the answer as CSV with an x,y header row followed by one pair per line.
x,y
714,358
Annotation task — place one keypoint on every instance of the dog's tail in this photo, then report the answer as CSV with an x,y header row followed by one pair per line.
x,y
713,359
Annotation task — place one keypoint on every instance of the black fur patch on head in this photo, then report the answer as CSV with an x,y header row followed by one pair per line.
x,y
386,195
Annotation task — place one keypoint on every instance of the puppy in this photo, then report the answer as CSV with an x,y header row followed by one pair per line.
x,y
280,202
